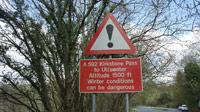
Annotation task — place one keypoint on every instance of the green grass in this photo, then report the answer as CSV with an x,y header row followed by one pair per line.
x,y
159,108
134,111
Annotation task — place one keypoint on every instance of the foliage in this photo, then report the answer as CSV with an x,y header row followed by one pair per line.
x,y
187,86
164,98
192,76
155,94
192,71
179,89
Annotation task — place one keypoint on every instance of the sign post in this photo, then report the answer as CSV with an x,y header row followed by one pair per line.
x,y
127,103
110,75
94,96
127,99
93,102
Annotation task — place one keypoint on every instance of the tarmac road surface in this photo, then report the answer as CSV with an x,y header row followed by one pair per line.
x,y
151,109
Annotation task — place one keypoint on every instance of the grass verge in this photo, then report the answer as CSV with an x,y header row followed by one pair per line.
x,y
159,108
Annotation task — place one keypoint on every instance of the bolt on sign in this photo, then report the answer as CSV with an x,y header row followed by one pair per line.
x,y
110,75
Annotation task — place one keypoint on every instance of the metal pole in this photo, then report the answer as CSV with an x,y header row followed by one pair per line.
x,y
93,102
127,100
93,96
127,103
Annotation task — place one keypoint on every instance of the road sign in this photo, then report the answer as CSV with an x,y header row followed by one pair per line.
x,y
110,75
110,39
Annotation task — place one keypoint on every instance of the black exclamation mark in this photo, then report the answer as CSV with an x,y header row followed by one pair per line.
x,y
109,29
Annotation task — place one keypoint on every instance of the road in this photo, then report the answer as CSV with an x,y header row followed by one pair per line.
x,y
150,109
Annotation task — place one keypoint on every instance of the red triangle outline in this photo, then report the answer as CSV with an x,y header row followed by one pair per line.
x,y
117,51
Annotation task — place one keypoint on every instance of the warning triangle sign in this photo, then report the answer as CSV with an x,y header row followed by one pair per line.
x,y
110,39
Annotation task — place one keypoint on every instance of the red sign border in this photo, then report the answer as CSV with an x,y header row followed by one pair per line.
x,y
112,91
121,51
